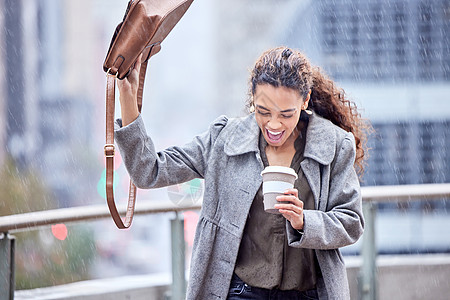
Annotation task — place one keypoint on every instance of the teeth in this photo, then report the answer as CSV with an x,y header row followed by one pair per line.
x,y
274,133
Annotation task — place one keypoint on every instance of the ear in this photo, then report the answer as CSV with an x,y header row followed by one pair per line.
x,y
306,102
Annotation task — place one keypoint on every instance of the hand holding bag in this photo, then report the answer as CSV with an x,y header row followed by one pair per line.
x,y
145,25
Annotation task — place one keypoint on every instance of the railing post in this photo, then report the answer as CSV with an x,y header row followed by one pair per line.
x,y
7,284
368,272
178,258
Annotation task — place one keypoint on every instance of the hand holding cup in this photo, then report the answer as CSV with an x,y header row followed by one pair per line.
x,y
280,196
291,208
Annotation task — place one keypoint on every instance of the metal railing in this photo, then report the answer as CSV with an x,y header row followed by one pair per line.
x,y
34,220
379,194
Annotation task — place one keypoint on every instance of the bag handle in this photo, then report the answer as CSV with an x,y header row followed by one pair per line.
x,y
110,149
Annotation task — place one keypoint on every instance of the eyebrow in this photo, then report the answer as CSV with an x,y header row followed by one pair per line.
x,y
283,111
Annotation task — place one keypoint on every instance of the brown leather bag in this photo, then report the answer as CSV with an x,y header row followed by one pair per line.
x,y
145,25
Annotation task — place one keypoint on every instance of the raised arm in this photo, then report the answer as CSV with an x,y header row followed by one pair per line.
x,y
128,88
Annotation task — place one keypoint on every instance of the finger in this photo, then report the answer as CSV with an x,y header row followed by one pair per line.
x,y
133,76
291,216
292,191
137,65
289,198
139,60
123,85
289,208
292,199
296,220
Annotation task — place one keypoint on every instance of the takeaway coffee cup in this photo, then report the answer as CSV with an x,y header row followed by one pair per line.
x,y
276,180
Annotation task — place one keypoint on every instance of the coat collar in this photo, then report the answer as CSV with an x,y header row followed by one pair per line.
x,y
243,134
320,140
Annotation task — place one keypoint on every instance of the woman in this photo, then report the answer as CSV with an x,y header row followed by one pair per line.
x,y
298,118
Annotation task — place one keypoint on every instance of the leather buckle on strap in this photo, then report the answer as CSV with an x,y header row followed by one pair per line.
x,y
110,150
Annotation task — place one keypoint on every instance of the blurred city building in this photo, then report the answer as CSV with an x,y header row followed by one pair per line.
x,y
3,87
19,67
393,60
404,44
387,40
47,94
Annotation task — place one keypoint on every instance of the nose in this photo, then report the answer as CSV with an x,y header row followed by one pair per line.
x,y
274,124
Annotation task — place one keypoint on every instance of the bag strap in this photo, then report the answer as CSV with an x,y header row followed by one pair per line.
x,y
110,150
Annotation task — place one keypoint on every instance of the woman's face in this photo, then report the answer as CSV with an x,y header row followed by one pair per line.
x,y
277,111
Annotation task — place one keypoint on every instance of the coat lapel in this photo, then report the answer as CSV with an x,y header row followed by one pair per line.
x,y
242,136
311,170
320,140
320,149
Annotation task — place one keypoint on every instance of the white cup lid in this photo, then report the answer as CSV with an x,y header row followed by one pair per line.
x,y
279,169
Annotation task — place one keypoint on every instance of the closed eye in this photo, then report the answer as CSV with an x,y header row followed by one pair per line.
x,y
287,116
265,114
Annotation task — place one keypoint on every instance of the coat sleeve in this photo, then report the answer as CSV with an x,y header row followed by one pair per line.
x,y
342,223
151,169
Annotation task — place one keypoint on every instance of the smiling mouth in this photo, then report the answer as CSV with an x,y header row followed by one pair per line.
x,y
274,136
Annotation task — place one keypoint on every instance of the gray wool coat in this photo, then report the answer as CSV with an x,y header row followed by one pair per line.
x,y
228,158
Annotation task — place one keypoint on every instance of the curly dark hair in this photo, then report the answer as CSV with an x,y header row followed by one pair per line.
x,y
289,68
